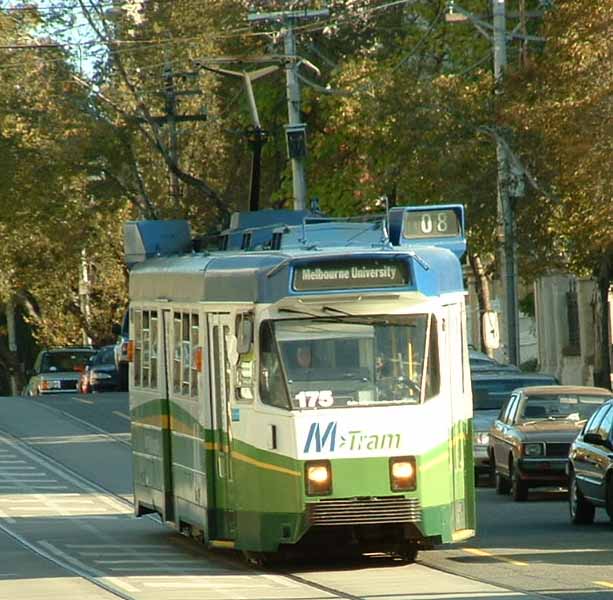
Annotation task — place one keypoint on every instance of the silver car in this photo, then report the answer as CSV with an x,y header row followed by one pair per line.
x,y
58,371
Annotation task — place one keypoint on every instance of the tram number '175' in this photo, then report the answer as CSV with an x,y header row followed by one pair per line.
x,y
314,398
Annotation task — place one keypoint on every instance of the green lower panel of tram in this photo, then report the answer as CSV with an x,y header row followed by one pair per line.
x,y
260,501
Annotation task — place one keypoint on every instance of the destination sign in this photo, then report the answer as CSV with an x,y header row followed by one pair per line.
x,y
354,274
431,224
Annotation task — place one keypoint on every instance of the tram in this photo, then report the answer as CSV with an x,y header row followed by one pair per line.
x,y
305,385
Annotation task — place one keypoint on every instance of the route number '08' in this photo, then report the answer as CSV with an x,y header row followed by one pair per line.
x,y
431,223
441,223
314,398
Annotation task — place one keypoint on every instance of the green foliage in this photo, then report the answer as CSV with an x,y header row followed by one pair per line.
x,y
404,106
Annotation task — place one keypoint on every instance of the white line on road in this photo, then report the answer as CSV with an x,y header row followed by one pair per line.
x,y
6,518
85,568
144,561
122,415
118,547
11,470
101,553
175,570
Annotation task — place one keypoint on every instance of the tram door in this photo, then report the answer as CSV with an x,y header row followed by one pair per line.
x,y
457,396
220,330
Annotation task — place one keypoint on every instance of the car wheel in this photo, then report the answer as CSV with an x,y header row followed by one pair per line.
x,y
502,484
491,472
581,511
519,488
609,496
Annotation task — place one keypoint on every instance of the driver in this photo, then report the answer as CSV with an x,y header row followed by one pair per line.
x,y
382,366
303,357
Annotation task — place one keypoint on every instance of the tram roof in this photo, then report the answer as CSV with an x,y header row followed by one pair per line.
x,y
267,276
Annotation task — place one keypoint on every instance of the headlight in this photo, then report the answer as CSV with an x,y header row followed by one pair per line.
x,y
49,385
403,473
481,438
534,449
318,478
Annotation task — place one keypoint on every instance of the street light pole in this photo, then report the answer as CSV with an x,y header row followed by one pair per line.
x,y
506,218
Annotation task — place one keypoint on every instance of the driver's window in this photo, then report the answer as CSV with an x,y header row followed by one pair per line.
x,y
272,383
592,425
604,429
433,380
512,410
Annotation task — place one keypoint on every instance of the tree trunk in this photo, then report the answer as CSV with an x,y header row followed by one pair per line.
x,y
603,351
10,356
483,294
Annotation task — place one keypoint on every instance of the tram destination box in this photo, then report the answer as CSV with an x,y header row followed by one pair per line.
x,y
349,275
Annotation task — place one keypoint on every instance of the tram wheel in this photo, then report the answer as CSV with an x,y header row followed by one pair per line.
x,y
409,552
261,560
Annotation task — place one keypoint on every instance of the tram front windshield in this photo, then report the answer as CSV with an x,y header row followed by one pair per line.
x,y
325,363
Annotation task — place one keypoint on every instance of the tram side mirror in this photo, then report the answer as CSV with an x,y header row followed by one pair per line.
x,y
231,349
244,332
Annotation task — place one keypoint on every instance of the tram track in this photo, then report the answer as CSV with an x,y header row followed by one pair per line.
x,y
314,580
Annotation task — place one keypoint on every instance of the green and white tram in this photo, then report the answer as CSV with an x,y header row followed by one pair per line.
x,y
307,385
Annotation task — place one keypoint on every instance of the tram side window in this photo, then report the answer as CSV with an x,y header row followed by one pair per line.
x,y
433,378
272,384
185,345
146,348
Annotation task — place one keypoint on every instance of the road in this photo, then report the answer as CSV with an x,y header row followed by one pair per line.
x,y
66,527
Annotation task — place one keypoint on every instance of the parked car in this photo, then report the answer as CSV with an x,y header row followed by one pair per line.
x,y
530,440
57,370
590,467
480,362
490,391
101,372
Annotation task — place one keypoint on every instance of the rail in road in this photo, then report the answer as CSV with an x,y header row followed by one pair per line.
x,y
64,499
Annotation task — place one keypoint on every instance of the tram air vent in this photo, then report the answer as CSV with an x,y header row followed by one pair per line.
x,y
365,511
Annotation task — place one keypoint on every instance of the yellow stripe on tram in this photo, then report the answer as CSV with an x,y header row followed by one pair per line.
x,y
263,465
252,461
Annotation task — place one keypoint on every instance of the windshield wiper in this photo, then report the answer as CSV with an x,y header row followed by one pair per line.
x,y
337,310
298,312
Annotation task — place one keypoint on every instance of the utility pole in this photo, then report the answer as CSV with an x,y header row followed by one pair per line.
x,y
172,119
296,129
171,112
506,218
294,117
507,260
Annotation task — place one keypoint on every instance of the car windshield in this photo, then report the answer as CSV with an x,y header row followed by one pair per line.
x,y
351,361
492,394
572,407
106,356
65,361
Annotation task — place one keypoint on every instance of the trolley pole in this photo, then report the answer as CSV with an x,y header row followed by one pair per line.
x,y
296,130
506,218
